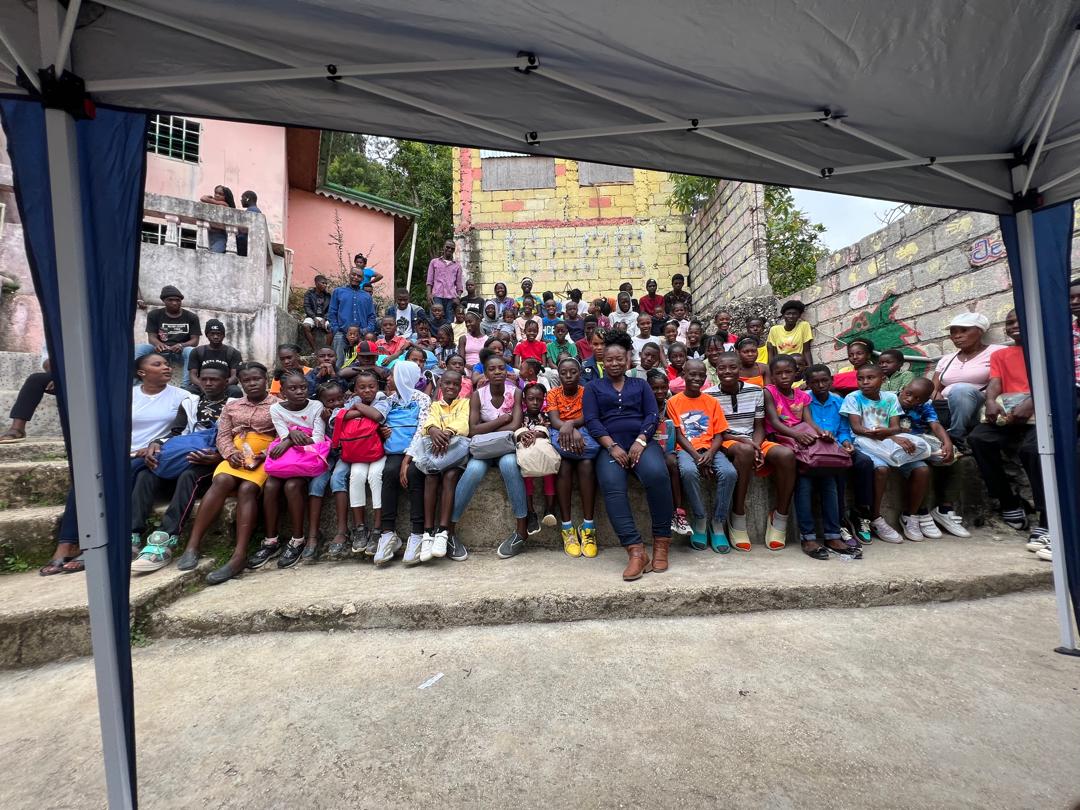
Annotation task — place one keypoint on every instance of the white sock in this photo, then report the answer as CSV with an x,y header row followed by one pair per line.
x,y
779,521
738,521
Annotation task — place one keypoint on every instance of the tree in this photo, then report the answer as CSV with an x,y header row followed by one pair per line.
x,y
410,172
792,242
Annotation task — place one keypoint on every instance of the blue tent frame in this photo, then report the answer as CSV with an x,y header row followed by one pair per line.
x,y
79,182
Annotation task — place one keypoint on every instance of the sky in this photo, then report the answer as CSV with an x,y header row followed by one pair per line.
x,y
846,219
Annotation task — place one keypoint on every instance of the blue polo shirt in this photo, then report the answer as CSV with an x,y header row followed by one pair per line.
x,y
827,416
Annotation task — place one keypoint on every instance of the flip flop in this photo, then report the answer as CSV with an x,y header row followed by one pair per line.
x,y
11,438
53,566
75,566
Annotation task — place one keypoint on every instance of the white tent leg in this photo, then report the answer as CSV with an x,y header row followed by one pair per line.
x,y
79,363
1036,347
412,254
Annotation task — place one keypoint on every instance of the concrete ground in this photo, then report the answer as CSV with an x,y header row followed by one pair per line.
x,y
959,705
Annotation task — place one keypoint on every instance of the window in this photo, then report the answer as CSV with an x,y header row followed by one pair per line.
x,y
153,233
173,136
507,171
600,174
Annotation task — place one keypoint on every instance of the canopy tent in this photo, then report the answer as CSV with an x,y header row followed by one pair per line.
x,y
940,102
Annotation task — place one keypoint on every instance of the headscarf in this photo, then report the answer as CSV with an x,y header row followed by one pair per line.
x,y
406,376
967,319
488,325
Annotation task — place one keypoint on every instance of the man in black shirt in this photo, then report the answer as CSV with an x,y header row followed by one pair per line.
x,y
677,295
172,331
214,353
194,414
471,302
316,305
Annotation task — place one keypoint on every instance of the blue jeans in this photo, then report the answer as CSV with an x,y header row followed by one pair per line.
x,y
449,305
826,486
143,349
474,474
726,478
652,472
964,400
339,347
337,476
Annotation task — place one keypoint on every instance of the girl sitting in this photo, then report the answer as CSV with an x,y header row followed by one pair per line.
x,y
860,352
566,416
750,370
533,399
695,341
665,437
368,473
445,345
677,358
474,339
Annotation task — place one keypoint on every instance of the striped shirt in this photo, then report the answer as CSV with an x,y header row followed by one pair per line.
x,y
743,408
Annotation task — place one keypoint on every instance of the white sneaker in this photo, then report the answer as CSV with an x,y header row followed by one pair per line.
x,y
1045,553
1036,542
679,524
929,528
438,543
389,543
950,522
425,547
412,550
884,531
912,532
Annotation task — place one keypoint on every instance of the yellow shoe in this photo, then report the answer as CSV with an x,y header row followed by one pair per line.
x,y
588,542
774,538
570,543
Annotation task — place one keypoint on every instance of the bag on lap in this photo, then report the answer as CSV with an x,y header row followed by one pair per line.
x,y
305,461
358,440
590,450
819,455
892,453
457,453
172,460
539,458
492,445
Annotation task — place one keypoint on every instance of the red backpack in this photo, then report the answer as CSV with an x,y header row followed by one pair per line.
x,y
358,439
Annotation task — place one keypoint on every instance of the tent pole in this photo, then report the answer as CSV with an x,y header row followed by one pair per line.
x,y
1036,348
412,254
66,192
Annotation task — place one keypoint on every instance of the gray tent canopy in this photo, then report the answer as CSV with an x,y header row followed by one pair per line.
x,y
923,101
961,103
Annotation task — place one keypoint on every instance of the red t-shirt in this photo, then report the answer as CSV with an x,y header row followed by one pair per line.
x,y
584,349
1008,366
531,350
651,305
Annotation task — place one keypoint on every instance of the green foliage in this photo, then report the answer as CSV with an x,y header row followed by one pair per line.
x,y
12,563
409,172
792,243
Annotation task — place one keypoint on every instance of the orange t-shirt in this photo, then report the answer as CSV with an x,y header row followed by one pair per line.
x,y
569,408
275,385
700,418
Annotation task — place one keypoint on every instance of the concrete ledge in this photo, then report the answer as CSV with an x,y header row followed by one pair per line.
x,y
33,483
546,586
46,619
34,449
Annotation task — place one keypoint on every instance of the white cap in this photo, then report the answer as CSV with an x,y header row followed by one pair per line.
x,y
967,319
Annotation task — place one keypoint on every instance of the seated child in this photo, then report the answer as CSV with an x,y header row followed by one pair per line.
x,y
564,410
891,361
332,396
860,352
424,338
665,437
921,419
533,403
365,474
648,358
676,355
751,370
793,335
560,345
875,416
531,348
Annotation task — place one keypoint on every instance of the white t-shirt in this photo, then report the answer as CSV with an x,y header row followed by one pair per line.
x,y
310,417
151,415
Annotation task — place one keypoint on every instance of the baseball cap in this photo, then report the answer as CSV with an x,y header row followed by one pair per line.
x,y
366,347
214,325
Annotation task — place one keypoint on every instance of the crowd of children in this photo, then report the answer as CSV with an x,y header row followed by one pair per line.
x,y
434,398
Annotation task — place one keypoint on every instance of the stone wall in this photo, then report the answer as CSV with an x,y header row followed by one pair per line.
x,y
593,237
726,248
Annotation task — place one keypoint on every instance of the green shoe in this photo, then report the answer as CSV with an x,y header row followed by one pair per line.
x,y
718,541
699,537
157,553
136,544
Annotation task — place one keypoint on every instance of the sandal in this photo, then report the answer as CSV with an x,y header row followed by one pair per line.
x,y
75,566
311,550
337,547
10,438
819,553
269,549
54,566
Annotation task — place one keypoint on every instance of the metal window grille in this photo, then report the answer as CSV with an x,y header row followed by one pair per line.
x,y
600,174
153,233
173,136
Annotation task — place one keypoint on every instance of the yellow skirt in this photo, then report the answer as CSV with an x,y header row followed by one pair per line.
x,y
258,442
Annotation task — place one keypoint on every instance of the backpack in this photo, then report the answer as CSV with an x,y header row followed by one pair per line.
x,y
358,439
402,422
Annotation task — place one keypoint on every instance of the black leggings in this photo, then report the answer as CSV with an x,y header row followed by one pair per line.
x,y
391,486
30,395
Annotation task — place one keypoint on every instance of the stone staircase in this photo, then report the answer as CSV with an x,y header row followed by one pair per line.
x,y
45,619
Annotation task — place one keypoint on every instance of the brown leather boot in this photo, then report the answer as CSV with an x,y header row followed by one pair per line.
x,y
638,564
660,546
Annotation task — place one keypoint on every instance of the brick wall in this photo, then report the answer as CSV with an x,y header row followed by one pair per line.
x,y
590,237
726,248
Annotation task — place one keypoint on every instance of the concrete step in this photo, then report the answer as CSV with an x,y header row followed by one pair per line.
x,y
46,421
32,483
16,367
547,586
33,449
46,619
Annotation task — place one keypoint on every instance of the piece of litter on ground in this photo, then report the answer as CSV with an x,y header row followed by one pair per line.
x,y
434,679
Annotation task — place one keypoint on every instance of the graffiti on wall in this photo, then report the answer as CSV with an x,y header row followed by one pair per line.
x,y
880,325
986,250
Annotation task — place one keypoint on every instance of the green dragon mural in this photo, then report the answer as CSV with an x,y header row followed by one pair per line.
x,y
881,326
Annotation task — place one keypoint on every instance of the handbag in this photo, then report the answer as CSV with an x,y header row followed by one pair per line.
x,y
402,421
303,461
539,458
590,450
893,454
172,460
496,444
456,454
358,440
819,455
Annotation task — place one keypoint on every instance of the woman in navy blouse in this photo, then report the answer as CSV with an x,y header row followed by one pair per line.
x,y
621,415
